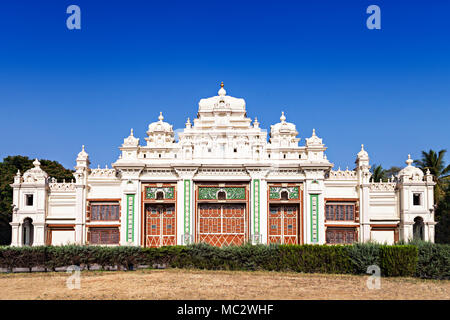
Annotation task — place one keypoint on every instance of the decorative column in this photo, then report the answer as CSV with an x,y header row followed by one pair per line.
x,y
314,207
363,174
129,217
185,205
81,174
258,204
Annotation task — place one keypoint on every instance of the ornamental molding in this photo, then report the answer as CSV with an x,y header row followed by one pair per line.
x,y
341,175
62,186
103,173
159,172
222,171
382,186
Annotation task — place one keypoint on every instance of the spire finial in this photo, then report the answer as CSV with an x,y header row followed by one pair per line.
x,y
160,118
82,147
283,117
131,132
409,161
36,163
256,123
362,147
188,123
222,91
314,132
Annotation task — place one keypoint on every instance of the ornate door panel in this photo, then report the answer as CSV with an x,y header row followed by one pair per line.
x,y
221,224
283,224
160,221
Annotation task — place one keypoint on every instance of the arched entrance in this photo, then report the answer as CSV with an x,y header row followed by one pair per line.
x,y
418,229
27,232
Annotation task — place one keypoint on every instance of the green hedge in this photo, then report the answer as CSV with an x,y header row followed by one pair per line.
x,y
422,260
399,260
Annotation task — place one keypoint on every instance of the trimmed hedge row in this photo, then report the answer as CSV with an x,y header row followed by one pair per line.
x,y
421,260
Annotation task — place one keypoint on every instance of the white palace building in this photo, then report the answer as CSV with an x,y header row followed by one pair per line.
x,y
222,182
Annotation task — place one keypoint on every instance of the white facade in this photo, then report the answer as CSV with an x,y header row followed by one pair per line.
x,y
221,182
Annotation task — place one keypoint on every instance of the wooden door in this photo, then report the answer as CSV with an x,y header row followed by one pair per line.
x,y
160,225
221,224
283,224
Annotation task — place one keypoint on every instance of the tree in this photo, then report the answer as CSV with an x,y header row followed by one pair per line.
x,y
392,171
378,173
435,163
8,169
442,216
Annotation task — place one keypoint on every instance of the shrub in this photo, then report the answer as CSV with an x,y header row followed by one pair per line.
x,y
433,260
398,260
363,255
425,260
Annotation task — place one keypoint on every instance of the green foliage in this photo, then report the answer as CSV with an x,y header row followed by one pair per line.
x,y
421,259
436,164
8,169
363,255
433,260
378,173
442,216
398,260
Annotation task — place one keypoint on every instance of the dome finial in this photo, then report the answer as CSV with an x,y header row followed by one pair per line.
x,y
131,132
222,91
36,163
409,161
160,118
282,118
256,123
188,123
314,132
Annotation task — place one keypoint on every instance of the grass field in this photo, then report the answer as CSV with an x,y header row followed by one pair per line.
x,y
199,284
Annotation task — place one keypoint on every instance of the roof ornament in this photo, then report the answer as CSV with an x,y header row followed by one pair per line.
x,y
282,118
409,161
131,132
160,118
256,123
36,163
314,132
188,123
222,91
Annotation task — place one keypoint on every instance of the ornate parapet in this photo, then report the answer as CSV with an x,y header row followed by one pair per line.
x,y
103,173
382,186
341,175
61,186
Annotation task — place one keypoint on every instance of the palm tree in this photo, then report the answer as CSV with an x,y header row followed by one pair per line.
x,y
435,163
378,173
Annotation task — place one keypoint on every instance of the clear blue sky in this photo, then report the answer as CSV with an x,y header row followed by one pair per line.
x,y
315,60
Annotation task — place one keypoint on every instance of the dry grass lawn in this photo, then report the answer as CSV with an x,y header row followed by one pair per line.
x,y
198,284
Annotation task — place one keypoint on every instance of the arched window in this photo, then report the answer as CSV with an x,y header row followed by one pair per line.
x,y
27,232
418,229
159,195
221,195
284,195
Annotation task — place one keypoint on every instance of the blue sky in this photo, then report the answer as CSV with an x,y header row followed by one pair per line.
x,y
314,60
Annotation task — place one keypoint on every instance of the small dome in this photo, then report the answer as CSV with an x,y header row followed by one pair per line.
x,y
410,170
35,174
314,140
283,127
83,154
131,140
363,153
160,126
